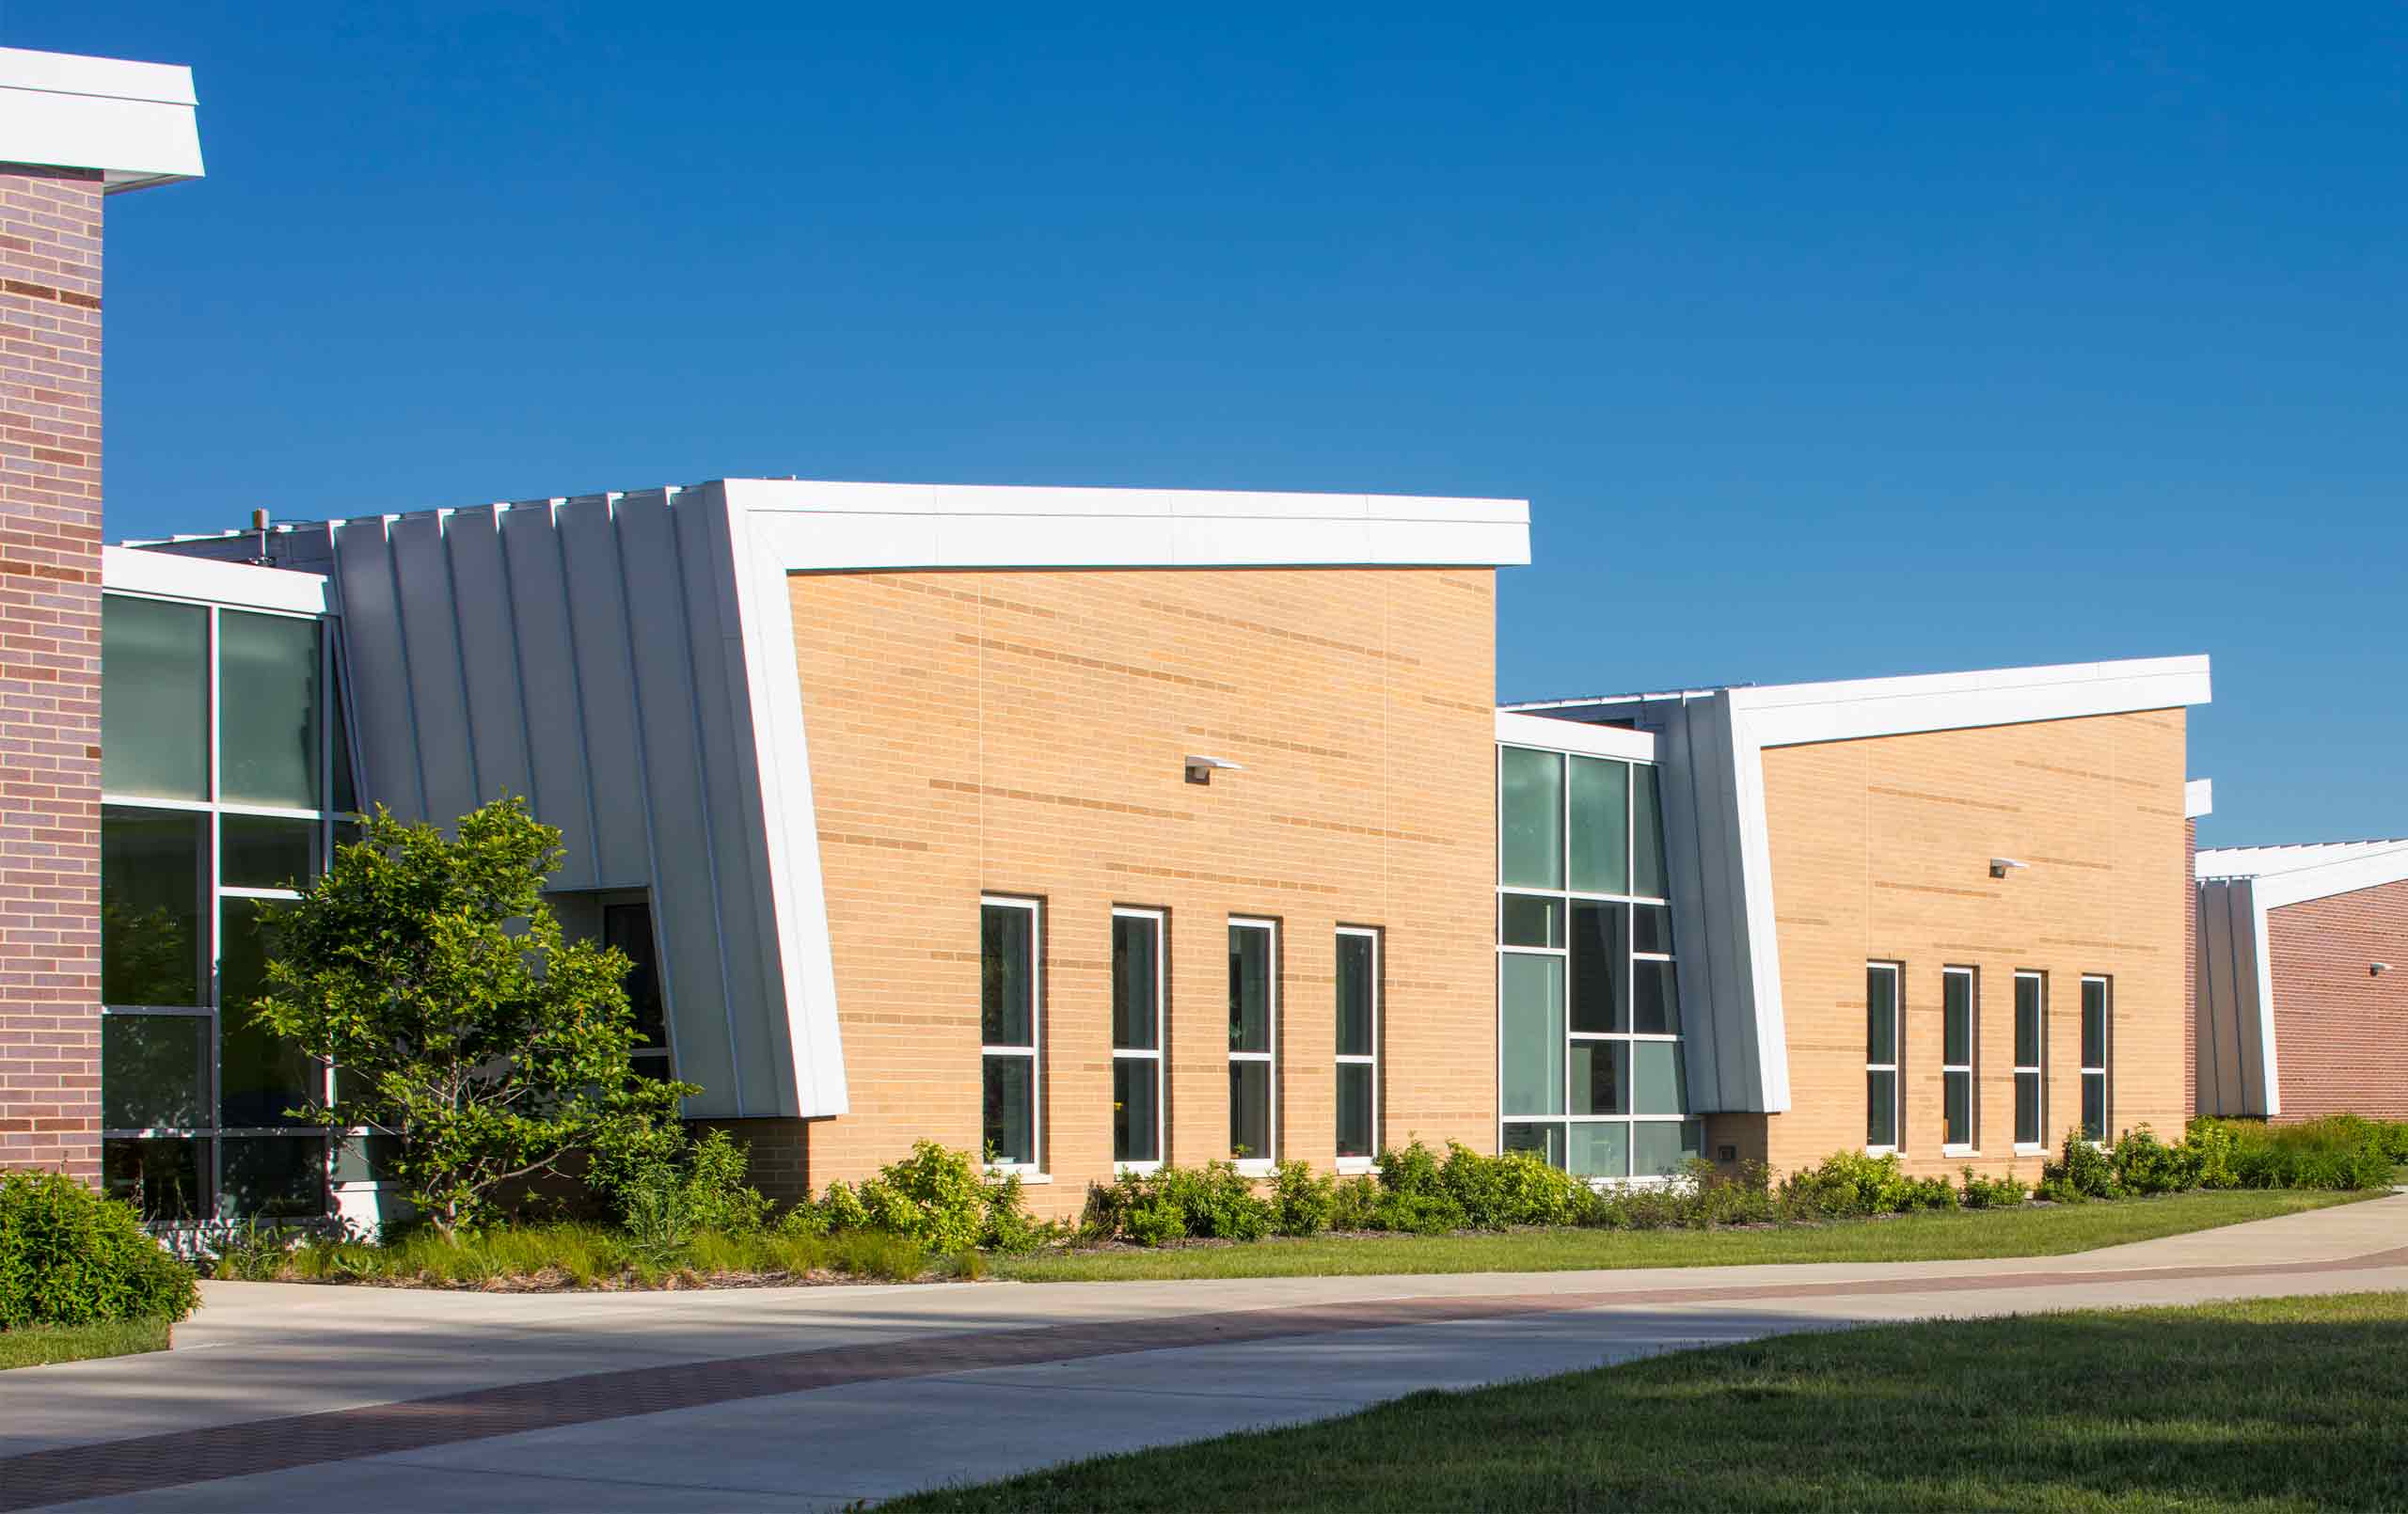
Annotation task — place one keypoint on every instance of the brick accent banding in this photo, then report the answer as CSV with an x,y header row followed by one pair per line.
x,y
49,668
2341,1032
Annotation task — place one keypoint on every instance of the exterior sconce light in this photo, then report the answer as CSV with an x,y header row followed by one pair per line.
x,y
2001,865
2376,970
1199,769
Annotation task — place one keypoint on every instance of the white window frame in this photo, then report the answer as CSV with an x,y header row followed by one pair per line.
x,y
1895,1066
1367,1163
1565,897
1161,920
215,891
1973,1055
1260,1166
2103,1070
2039,1070
1034,1051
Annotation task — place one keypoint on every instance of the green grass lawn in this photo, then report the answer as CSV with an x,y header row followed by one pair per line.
x,y
2037,1230
2273,1405
40,1345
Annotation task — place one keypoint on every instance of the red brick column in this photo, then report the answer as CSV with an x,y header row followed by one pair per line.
x,y
50,668
2191,967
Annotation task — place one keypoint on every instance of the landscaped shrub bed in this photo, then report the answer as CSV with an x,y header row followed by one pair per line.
x,y
72,1260
1418,1191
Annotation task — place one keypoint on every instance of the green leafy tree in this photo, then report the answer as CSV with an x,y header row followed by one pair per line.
x,y
464,1026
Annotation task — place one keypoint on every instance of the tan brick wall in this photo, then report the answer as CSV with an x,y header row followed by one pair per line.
x,y
777,1152
1880,851
1021,733
50,668
2342,1032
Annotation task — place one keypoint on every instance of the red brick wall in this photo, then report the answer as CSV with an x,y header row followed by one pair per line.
x,y
50,668
2340,1032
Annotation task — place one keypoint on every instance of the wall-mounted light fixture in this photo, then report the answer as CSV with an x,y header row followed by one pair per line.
x,y
2376,970
1199,769
2001,865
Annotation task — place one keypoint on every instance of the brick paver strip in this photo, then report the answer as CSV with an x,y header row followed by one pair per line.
x,y
102,1469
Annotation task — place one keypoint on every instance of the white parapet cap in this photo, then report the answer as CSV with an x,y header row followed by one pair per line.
x,y
815,526
1785,714
1579,737
2294,874
2198,797
126,570
131,122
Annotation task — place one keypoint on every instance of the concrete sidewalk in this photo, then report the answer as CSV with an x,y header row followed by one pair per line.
x,y
807,1397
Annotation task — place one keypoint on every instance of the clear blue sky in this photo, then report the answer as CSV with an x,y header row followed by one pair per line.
x,y
1822,352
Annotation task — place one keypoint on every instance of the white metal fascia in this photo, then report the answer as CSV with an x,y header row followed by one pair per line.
x,y
1575,737
828,527
2366,870
206,580
1791,715
2198,798
133,123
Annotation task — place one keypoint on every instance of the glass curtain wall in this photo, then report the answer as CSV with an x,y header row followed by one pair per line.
x,y
225,778
1589,1019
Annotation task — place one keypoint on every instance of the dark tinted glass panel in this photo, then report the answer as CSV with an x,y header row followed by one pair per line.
x,y
2094,1023
1880,1015
1600,984
1600,1150
267,715
154,1071
1530,840
1529,920
1136,1099
1600,969
154,699
261,1075
1136,951
364,1158
161,1178
151,950
1530,999
1956,1018
257,852
1250,1110
1545,1141
1007,976
1655,998
2027,1022
273,1177
1249,990
1658,1084
1601,1077
1011,1109
2093,1105
1355,989
1600,826
346,795
628,927
1647,834
1660,1149
1354,1135
1881,1109
2027,1109
1651,929
1958,1096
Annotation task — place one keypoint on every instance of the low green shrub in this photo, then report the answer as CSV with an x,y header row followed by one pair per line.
x,y
1516,1188
68,1257
1302,1201
2081,1171
2002,1192
2145,1165
936,1197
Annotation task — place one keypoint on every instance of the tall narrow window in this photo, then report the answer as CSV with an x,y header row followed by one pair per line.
x,y
1009,1009
1358,1044
2096,1041
628,927
1254,1032
1137,1037
2030,1058
1881,1122
1960,1011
